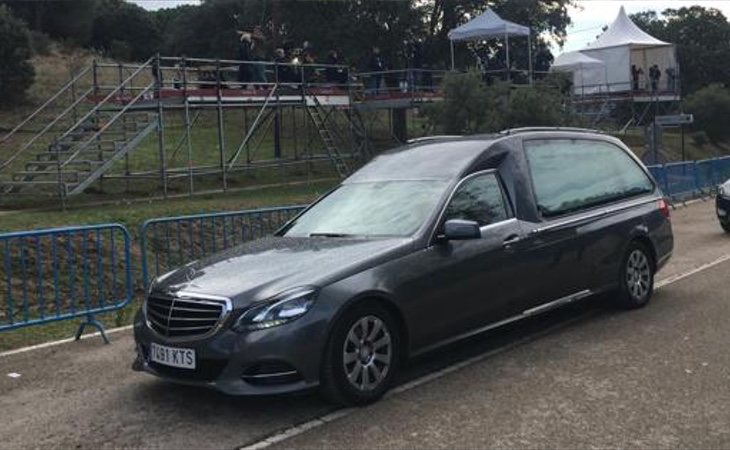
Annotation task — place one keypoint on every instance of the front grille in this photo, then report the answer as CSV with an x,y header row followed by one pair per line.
x,y
184,317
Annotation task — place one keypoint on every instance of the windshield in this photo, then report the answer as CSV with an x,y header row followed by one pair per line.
x,y
385,208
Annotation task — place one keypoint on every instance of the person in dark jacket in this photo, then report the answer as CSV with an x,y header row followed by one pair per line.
x,y
376,64
335,75
283,69
655,74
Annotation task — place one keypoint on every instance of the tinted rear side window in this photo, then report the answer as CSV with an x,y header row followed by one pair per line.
x,y
573,174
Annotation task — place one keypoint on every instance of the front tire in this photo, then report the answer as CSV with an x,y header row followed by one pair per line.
x,y
362,355
636,281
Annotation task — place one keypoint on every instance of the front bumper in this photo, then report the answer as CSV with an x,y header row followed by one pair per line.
x,y
278,360
722,209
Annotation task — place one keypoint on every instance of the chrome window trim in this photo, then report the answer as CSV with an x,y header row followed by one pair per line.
x,y
203,298
587,215
507,204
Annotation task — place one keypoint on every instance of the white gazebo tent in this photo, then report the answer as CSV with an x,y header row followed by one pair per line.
x,y
624,44
589,74
490,25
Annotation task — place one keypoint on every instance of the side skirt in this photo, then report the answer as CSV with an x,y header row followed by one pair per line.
x,y
545,307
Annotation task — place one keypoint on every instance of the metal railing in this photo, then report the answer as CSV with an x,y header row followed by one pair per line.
x,y
685,180
170,242
46,116
64,273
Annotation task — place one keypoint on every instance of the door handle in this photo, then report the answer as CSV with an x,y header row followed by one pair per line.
x,y
511,240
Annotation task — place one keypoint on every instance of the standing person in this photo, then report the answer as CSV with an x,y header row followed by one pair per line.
x,y
654,75
245,48
417,63
283,71
671,79
634,77
258,70
376,64
330,73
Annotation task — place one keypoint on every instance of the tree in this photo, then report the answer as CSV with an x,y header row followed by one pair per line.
x,y
125,31
711,108
469,106
546,18
702,37
16,72
66,19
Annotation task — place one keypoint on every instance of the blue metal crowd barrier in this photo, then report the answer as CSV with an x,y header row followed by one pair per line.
x,y
169,242
684,180
64,273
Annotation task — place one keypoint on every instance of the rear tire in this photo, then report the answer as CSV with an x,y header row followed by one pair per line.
x,y
636,279
362,355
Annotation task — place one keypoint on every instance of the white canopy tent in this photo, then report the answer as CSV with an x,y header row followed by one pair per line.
x,y
490,25
582,67
622,45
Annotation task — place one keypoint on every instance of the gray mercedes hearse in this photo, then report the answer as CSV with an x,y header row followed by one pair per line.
x,y
426,244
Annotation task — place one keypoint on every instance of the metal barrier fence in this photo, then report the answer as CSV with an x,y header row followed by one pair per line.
x,y
169,242
684,180
63,273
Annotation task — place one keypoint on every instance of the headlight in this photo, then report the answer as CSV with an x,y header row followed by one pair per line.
x,y
724,190
283,308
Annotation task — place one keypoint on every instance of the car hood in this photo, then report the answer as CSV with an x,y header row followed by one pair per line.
x,y
260,269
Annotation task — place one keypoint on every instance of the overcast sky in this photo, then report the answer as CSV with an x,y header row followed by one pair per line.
x,y
588,17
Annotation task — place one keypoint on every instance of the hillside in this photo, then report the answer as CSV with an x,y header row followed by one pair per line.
x,y
52,70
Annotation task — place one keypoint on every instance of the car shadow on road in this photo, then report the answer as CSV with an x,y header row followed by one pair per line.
x,y
201,401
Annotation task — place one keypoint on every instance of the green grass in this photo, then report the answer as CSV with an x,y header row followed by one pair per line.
x,y
132,215
672,141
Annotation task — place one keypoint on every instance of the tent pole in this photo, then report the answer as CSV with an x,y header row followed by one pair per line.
x,y
452,53
529,58
506,45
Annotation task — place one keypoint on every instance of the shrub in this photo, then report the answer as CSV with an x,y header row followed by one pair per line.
x,y
467,105
40,43
470,106
700,139
711,109
16,72
535,106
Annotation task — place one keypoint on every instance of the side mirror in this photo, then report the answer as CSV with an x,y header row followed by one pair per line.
x,y
459,230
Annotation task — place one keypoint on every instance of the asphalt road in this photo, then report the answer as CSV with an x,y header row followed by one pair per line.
x,y
586,376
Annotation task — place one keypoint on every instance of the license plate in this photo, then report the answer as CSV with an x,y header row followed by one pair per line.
x,y
183,358
721,212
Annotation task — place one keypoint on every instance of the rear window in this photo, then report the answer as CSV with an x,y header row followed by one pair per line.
x,y
573,174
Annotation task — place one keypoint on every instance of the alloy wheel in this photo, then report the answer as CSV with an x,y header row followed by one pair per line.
x,y
367,353
638,274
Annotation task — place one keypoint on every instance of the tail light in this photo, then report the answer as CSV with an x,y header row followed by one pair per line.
x,y
663,207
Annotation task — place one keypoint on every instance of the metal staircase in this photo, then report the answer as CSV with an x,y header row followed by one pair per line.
x,y
318,116
77,135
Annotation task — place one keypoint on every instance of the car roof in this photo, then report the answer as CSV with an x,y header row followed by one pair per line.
x,y
433,159
448,157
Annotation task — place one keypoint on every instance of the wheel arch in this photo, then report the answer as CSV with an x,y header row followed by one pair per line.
x,y
642,236
386,301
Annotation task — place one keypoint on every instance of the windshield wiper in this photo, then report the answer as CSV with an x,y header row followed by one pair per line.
x,y
329,235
